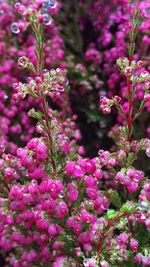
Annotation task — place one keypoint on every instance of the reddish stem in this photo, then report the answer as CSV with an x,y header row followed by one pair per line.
x,y
110,223
5,184
129,116
45,111
129,86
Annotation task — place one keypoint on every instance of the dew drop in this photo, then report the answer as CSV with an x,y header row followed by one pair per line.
x,y
52,3
85,262
1,12
61,195
45,4
45,71
33,182
49,4
29,80
17,4
59,89
143,206
15,28
5,96
100,152
52,72
47,20
67,160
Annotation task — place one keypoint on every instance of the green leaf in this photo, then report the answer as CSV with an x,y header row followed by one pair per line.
x,y
137,11
126,207
131,49
132,35
115,198
130,159
35,114
138,22
132,1
111,214
133,92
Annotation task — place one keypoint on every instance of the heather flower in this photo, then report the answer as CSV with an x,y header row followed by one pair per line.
x,y
58,206
61,210
134,245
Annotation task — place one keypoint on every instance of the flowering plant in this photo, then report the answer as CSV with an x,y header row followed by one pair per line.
x,y
58,208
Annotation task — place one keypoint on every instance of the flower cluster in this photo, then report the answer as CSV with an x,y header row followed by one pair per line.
x,y
106,103
130,178
40,11
48,82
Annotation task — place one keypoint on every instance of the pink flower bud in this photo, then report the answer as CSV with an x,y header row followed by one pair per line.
x,y
138,257
132,187
117,98
90,166
148,152
73,195
147,97
61,210
111,163
70,167
140,63
78,172
106,110
134,245
92,193
98,175
52,230
128,70
78,251
147,222
104,264
9,173
120,177
146,261
42,224
77,227
90,181
104,100
70,222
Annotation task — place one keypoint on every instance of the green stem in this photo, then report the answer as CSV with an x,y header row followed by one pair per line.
x,y
5,184
132,37
129,116
39,52
48,131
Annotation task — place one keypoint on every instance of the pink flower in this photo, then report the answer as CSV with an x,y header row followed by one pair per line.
x,y
78,172
42,224
90,166
73,195
61,210
134,245
132,187
52,230
70,167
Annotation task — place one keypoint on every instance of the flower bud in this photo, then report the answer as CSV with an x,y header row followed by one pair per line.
x,y
134,245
